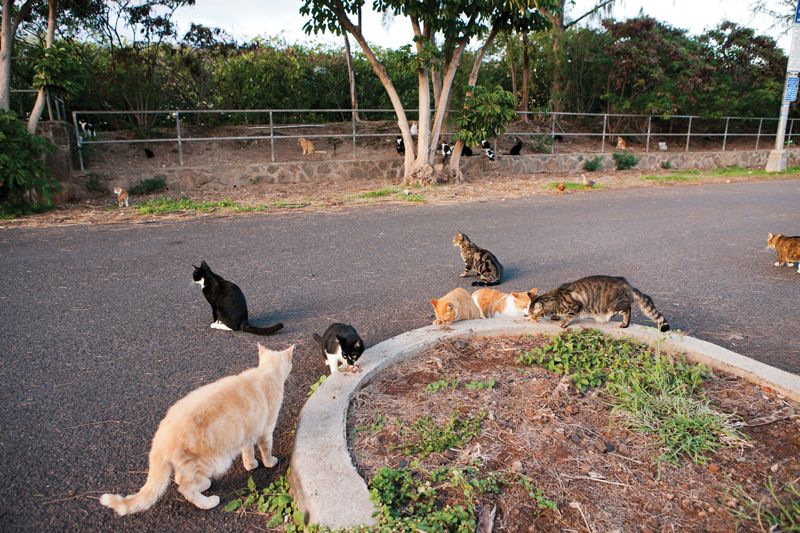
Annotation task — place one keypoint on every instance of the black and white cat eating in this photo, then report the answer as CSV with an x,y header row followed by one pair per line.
x,y
341,345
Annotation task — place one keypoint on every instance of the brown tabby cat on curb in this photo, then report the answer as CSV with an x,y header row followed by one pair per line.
x,y
483,262
787,248
453,306
203,432
493,303
600,297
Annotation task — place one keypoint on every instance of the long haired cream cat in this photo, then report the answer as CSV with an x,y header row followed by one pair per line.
x,y
205,430
493,303
455,305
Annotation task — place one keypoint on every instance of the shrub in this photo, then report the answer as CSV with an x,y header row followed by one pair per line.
x,y
624,160
95,185
25,182
593,165
150,185
666,165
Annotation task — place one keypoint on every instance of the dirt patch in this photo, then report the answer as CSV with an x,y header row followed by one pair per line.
x,y
601,475
350,194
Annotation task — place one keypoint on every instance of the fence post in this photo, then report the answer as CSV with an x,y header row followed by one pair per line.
x,y
791,126
689,134
78,139
271,137
353,120
180,140
758,137
49,108
552,132
725,137
603,143
649,125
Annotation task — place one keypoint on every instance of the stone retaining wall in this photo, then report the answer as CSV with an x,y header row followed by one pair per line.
x,y
382,170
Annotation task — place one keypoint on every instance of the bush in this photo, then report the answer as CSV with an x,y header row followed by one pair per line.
x,y
95,185
150,185
666,165
593,165
25,182
624,160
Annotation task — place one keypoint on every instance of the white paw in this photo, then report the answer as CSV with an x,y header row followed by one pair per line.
x,y
777,264
210,503
250,466
272,461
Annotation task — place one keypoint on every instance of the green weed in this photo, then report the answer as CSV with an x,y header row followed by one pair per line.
x,y
569,185
273,501
778,511
593,165
380,193
163,206
480,385
442,384
430,437
150,185
314,386
251,208
283,204
413,197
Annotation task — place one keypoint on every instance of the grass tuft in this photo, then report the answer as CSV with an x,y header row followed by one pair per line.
x,y
164,206
380,193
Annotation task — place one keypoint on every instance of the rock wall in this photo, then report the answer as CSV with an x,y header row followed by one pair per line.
x,y
224,177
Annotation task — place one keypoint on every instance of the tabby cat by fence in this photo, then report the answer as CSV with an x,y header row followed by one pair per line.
x,y
204,431
600,297
787,248
483,262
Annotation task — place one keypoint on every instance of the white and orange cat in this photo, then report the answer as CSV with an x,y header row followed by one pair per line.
x,y
493,303
453,306
122,196
205,430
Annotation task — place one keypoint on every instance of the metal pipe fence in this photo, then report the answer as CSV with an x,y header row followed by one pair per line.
x,y
55,106
542,130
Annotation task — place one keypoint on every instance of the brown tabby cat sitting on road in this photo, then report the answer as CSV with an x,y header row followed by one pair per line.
x,y
493,303
455,305
203,432
483,262
787,248
600,297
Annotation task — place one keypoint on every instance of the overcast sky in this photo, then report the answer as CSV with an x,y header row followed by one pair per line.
x,y
246,19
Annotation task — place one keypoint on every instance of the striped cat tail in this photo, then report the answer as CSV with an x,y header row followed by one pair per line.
x,y
649,308
486,283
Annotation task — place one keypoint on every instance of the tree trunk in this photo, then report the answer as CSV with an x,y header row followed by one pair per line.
x,y
351,76
556,97
455,158
512,70
436,79
525,75
423,169
391,91
41,98
8,29
444,98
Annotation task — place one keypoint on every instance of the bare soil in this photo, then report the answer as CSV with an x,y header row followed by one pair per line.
x,y
602,475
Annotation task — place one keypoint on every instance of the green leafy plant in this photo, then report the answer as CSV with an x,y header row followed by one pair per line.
x,y
442,384
593,165
666,165
430,436
624,160
536,494
57,70
25,182
273,501
149,185
480,385
486,114
779,509
314,386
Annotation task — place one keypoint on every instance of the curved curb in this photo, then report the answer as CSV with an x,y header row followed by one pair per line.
x,y
324,480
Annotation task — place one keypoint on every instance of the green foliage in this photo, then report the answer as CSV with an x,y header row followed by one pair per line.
x,y
149,185
95,185
666,165
779,510
486,113
284,204
275,501
58,71
480,384
25,182
380,193
536,494
656,394
165,206
442,384
624,160
429,436
593,165
413,197
541,144
314,386
568,185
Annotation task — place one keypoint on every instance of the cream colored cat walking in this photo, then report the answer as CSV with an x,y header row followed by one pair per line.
x,y
204,431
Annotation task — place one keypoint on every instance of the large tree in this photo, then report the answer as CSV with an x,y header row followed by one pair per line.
x,y
454,23
12,17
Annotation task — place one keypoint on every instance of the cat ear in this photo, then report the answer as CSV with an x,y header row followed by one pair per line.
x,y
195,266
263,355
770,235
434,302
203,264
533,291
532,295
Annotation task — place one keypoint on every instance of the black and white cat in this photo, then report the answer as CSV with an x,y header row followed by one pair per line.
x,y
86,127
341,344
447,151
228,306
400,145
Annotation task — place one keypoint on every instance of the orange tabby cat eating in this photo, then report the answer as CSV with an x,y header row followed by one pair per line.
x,y
493,303
455,305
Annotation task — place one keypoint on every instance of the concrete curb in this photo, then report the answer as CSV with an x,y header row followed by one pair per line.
x,y
324,480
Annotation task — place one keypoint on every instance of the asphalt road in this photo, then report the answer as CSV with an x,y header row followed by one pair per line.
x,y
102,328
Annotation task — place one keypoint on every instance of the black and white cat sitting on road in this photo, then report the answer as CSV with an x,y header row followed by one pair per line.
x,y
341,344
228,306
